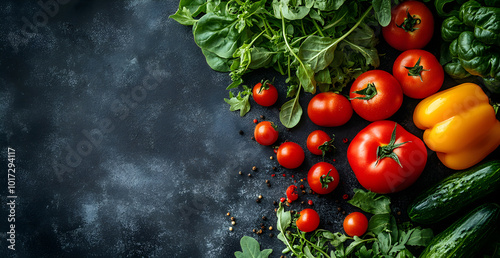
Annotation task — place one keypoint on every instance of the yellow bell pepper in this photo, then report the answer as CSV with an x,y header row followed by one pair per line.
x,y
460,125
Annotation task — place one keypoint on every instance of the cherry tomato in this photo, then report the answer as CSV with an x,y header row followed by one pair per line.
x,y
323,178
329,109
419,73
308,220
411,26
290,155
291,193
386,158
265,94
355,224
376,95
319,142
265,133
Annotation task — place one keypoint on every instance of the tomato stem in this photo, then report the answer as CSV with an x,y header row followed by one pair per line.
x,y
387,151
326,147
326,179
409,23
368,93
416,70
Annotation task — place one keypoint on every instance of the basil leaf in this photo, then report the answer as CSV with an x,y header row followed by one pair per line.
x,y
251,249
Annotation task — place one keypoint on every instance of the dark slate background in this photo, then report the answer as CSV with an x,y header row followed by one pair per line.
x,y
125,147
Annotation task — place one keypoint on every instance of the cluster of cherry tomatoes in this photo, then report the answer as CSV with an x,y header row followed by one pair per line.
x,y
375,95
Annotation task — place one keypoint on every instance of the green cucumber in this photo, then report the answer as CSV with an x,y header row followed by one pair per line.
x,y
466,236
455,192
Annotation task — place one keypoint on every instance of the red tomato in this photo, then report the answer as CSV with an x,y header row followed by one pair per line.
x,y
290,155
411,26
265,133
323,178
386,158
355,224
308,220
329,109
419,73
291,193
376,95
265,94
319,142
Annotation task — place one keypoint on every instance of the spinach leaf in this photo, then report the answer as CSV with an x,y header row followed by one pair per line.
x,y
328,5
286,9
382,10
183,16
451,28
291,112
251,249
484,21
216,62
317,51
218,34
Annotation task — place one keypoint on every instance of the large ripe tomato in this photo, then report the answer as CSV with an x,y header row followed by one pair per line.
x,y
290,155
265,94
308,220
419,73
376,95
319,142
411,26
265,133
386,158
329,109
323,178
355,224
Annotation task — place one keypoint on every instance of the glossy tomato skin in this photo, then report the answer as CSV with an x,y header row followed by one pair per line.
x,y
318,173
265,97
403,40
415,84
329,109
316,139
308,220
386,101
355,224
265,133
386,176
290,155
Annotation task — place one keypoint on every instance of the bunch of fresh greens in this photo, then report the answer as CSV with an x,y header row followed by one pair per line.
x,y
317,44
473,36
384,237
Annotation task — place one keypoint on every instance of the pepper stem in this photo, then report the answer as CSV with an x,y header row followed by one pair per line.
x,y
416,70
387,151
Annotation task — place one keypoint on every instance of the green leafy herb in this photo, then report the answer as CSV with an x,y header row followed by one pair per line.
x,y
241,101
371,202
317,44
384,237
251,249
